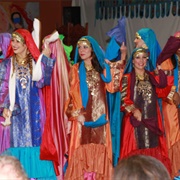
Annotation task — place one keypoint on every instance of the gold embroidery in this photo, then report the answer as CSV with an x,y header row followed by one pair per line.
x,y
76,113
171,94
92,80
144,87
96,90
130,108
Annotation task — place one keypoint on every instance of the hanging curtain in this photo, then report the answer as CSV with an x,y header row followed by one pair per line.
x,y
108,9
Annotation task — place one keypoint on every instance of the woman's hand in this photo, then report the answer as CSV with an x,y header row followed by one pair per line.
x,y
107,61
6,113
46,51
81,119
176,99
123,50
137,114
158,67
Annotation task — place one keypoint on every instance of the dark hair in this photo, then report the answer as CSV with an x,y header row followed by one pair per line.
x,y
95,63
141,167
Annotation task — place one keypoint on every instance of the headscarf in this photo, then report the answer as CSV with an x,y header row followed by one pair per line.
x,y
163,81
4,43
129,66
96,48
25,36
149,37
82,72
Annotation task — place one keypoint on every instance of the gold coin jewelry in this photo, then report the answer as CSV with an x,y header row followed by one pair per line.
x,y
22,71
144,87
22,61
140,77
88,67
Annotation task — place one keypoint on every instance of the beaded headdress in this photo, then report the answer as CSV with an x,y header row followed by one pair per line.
x,y
140,50
25,36
18,36
84,41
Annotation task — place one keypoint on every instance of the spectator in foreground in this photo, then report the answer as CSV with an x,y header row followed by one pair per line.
x,y
140,167
10,168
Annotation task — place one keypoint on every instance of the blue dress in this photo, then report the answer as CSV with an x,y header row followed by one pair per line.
x,y
28,115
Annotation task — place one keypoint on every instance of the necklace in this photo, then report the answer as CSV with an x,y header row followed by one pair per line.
x,y
140,77
88,67
22,73
144,87
22,61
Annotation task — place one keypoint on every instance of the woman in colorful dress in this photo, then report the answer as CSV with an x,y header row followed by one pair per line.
x,y
5,39
169,61
142,129
23,74
90,152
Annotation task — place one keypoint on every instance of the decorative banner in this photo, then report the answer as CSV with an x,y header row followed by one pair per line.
x,y
18,15
108,9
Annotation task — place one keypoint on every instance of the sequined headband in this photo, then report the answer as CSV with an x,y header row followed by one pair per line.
x,y
18,36
138,36
84,41
141,50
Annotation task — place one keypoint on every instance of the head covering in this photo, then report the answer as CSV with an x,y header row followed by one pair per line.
x,y
5,39
149,37
28,40
82,72
129,65
96,48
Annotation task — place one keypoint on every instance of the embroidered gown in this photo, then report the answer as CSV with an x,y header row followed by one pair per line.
x,y
28,115
146,136
171,113
90,148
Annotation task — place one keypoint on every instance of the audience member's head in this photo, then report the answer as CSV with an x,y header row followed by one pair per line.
x,y
140,167
10,168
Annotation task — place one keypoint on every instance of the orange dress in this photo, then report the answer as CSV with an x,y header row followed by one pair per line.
x,y
90,148
171,123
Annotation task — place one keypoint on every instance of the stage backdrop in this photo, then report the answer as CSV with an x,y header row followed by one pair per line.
x,y
163,26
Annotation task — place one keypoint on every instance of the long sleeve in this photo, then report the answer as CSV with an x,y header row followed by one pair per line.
x,y
73,106
47,68
127,104
117,70
4,84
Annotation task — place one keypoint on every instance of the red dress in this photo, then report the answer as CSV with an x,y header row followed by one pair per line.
x,y
147,136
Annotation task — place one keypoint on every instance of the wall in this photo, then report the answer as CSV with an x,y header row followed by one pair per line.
x,y
50,16
50,13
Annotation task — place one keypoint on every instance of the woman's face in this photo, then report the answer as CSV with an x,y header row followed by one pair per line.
x,y
140,61
138,42
85,51
18,47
